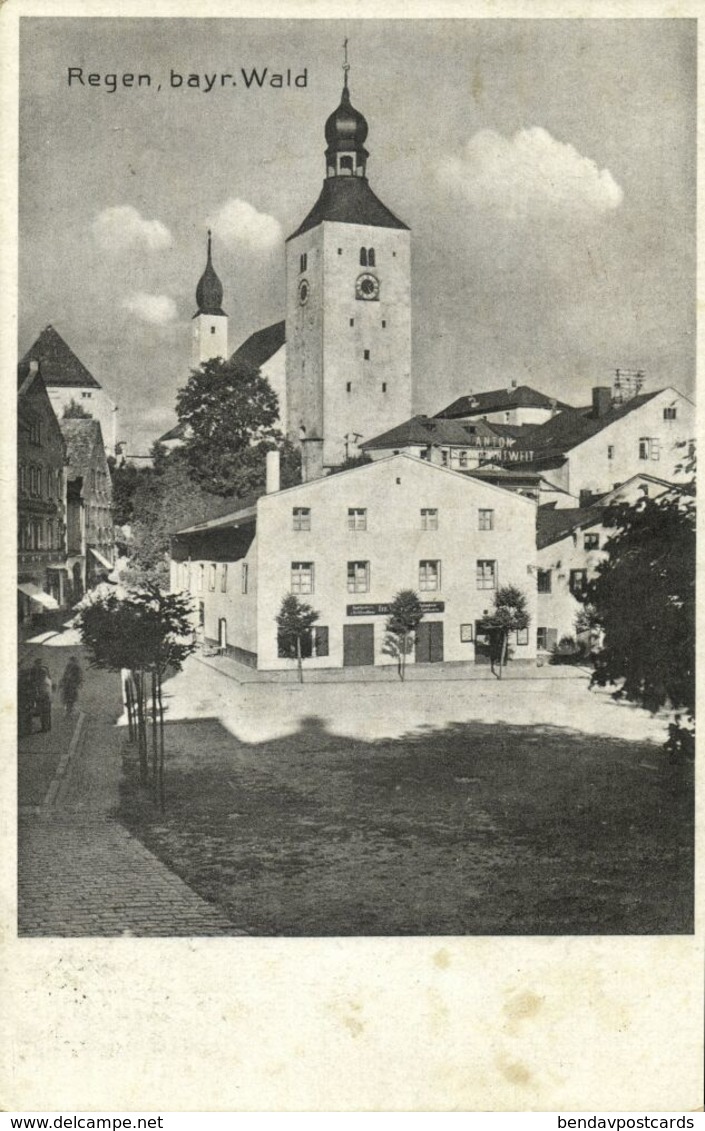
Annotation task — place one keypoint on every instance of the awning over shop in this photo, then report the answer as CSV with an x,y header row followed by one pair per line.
x,y
38,595
103,561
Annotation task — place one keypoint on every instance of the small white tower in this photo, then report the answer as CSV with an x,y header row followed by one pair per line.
x,y
210,322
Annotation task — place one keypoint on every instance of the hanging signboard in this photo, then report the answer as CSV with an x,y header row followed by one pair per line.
x,y
385,610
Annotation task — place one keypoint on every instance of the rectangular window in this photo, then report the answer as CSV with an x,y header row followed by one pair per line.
x,y
644,447
591,541
358,577
245,572
302,577
384,324
384,386
543,581
429,518
670,412
522,636
541,642
610,451
429,576
444,457
212,329
301,518
201,576
303,261
224,578
655,453
348,387
319,642
577,581
352,321
486,574
340,251
86,396
212,569
486,519
462,459
357,518
366,355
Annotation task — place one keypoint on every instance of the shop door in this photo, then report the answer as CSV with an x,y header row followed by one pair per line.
x,y
358,645
482,644
429,642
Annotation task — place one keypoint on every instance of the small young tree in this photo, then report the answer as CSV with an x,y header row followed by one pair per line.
x,y
144,632
509,615
405,616
75,411
295,619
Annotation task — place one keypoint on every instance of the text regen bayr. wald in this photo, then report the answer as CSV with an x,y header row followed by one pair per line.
x,y
247,78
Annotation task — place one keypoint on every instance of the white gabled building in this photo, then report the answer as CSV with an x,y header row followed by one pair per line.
x,y
570,546
346,544
597,448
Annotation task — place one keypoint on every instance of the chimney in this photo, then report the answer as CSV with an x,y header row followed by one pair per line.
x,y
311,459
272,475
433,454
601,401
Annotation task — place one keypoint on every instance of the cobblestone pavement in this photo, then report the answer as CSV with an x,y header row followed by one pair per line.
x,y
81,873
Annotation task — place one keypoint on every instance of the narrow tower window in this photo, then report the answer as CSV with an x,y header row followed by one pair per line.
x,y
366,355
370,257
303,261
363,256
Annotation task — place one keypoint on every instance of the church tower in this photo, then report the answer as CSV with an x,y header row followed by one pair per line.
x,y
348,308
210,322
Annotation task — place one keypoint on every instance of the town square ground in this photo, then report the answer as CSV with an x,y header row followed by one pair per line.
x,y
451,804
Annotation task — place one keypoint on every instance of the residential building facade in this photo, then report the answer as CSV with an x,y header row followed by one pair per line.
x,y
346,544
91,539
41,498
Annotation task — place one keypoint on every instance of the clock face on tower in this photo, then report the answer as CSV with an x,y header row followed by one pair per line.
x,y
304,291
367,287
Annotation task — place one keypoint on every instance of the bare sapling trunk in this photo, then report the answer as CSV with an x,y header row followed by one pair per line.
x,y
142,726
155,740
160,702
298,659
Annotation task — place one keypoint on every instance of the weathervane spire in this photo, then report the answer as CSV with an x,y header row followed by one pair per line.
x,y
209,242
346,65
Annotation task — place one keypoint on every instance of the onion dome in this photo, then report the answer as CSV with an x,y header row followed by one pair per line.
x,y
209,292
346,127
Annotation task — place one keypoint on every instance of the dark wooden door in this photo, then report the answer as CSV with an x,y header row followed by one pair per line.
x,y
429,642
482,644
358,645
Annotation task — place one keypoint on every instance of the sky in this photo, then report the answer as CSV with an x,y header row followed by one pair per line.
x,y
546,169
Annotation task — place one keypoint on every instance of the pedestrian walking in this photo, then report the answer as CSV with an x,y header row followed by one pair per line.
x,y
70,683
43,688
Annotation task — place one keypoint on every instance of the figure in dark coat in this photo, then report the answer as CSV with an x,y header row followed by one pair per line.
x,y
71,681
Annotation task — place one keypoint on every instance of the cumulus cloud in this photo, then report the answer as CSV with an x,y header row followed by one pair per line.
x,y
528,174
123,229
158,310
238,224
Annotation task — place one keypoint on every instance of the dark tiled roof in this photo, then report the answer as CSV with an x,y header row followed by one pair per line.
x,y
82,437
511,431
349,200
553,524
424,430
260,346
500,400
58,364
568,429
215,507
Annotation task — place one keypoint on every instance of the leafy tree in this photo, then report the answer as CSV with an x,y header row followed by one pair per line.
x,y
75,411
125,478
229,412
144,632
509,615
295,619
405,615
162,503
643,596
